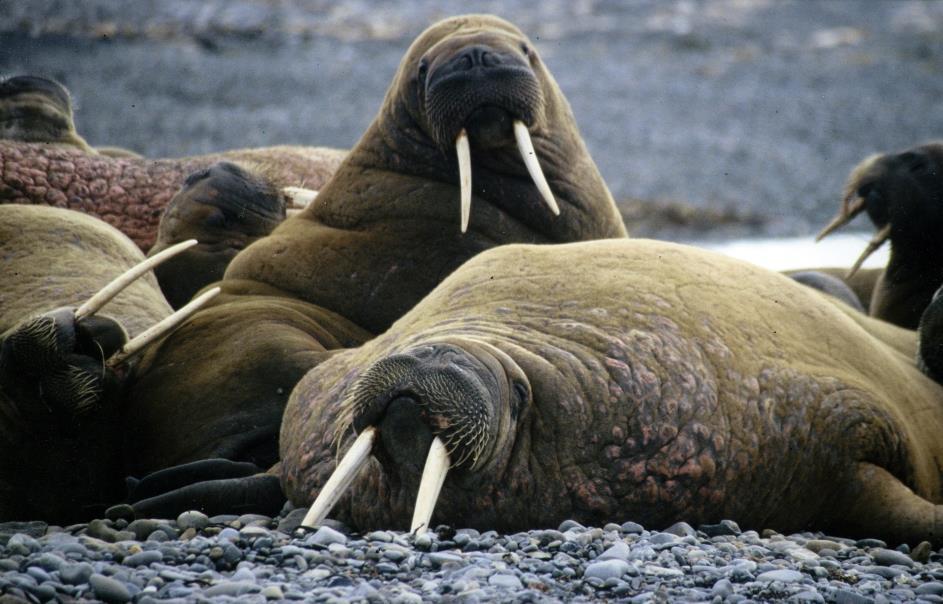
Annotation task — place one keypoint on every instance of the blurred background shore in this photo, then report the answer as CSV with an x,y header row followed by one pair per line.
x,y
709,120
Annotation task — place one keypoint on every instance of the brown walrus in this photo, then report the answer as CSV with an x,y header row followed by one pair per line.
x,y
471,92
902,194
43,160
625,379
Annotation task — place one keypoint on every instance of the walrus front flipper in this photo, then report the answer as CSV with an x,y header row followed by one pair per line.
x,y
879,504
176,477
261,494
930,332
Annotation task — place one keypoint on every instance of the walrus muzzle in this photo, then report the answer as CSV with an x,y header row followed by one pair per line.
x,y
491,96
436,401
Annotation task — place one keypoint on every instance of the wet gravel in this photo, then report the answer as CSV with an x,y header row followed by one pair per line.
x,y
754,110
254,558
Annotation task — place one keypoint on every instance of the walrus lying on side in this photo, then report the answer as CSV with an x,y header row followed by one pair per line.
x,y
453,149
44,160
902,194
620,380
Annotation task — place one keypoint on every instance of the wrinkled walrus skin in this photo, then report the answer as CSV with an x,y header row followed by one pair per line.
x,y
633,379
50,464
380,235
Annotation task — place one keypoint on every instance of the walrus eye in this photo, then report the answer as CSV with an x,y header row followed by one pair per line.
x,y
521,391
525,49
423,69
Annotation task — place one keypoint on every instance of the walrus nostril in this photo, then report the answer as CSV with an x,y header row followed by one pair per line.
x,y
404,435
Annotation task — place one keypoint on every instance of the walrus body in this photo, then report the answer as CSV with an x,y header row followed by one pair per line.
x,y
630,380
380,235
51,464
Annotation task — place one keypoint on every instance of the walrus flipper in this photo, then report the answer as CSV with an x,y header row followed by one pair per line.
x,y
176,477
879,503
260,493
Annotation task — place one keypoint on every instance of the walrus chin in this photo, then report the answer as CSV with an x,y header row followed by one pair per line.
x,y
439,407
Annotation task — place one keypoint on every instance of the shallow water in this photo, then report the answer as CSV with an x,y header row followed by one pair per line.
x,y
785,253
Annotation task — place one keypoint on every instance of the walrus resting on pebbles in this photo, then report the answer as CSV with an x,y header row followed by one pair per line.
x,y
618,380
902,194
58,444
382,233
43,160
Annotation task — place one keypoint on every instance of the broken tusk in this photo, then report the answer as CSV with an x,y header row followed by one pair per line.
x,y
105,294
433,475
335,487
874,244
526,147
847,213
161,328
464,175
299,197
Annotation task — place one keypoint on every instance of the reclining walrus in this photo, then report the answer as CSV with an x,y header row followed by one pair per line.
x,y
402,211
619,380
43,160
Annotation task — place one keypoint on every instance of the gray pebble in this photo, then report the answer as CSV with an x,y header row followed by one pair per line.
x,y
631,528
681,529
618,551
108,589
784,576
22,544
606,569
192,519
76,574
231,588
145,558
887,557
325,536
122,511
505,580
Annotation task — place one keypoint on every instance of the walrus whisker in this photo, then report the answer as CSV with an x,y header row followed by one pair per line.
x,y
463,151
119,283
433,475
526,147
876,242
847,213
161,328
335,487
299,197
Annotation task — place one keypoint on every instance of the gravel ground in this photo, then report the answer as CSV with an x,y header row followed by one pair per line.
x,y
753,110
254,558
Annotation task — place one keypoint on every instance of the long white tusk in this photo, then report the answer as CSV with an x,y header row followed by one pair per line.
x,y
433,475
159,329
526,147
105,294
464,175
335,487
292,212
299,197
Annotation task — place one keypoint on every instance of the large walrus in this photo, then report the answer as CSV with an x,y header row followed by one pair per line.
x,y
902,194
474,146
619,380
44,160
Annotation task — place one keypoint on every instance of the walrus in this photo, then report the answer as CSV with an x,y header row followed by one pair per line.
x,y
57,445
44,160
902,193
623,379
437,178
225,208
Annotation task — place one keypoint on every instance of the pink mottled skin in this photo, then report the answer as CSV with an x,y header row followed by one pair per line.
x,y
131,193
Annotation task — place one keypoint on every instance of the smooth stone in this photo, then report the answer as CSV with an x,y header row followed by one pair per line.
x,y
681,529
885,572
326,536
441,558
22,544
231,588
122,511
194,519
618,551
506,581
76,574
108,589
255,520
48,561
932,588
725,527
782,575
290,523
145,558
569,524
605,569
38,573
888,557
921,553
817,545
864,543
663,538
631,528
847,596
273,592
722,588
228,534
384,536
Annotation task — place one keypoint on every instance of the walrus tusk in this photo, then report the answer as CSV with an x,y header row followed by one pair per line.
x,y
526,147
293,212
355,458
159,329
433,475
105,294
847,213
874,244
299,197
464,175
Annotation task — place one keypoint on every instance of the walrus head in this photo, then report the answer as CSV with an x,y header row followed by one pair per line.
x,y
473,105
448,406
225,208
34,109
902,194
